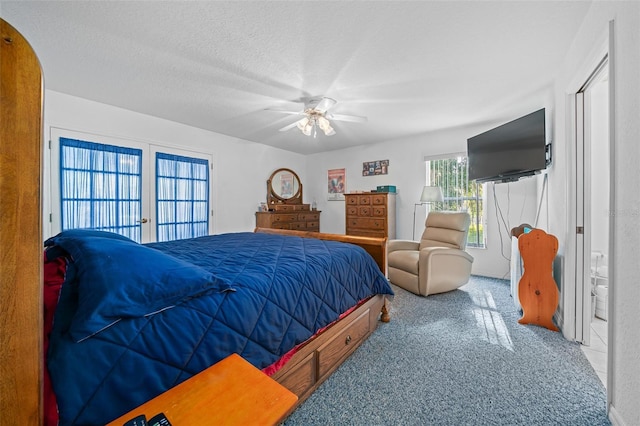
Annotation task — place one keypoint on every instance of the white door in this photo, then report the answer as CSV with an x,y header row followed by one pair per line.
x,y
592,207
583,198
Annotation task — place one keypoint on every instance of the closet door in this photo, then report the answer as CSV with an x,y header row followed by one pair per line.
x,y
20,231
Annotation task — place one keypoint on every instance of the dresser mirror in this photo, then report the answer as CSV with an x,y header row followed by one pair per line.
x,y
284,208
284,187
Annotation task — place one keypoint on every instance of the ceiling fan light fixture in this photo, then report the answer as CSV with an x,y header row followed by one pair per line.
x,y
323,123
316,115
308,126
303,123
329,131
325,126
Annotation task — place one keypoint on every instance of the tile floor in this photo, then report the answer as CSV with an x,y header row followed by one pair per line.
x,y
596,353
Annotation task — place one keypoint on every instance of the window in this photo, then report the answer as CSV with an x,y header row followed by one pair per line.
x,y
182,197
450,174
100,187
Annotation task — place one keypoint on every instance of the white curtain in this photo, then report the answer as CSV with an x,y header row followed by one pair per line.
x,y
101,187
182,197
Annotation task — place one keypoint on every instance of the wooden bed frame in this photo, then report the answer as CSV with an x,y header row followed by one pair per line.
x,y
376,247
20,231
321,356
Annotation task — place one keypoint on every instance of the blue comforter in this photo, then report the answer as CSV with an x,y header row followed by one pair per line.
x,y
135,320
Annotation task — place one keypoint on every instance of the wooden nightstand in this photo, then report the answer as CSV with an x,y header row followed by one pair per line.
x,y
231,392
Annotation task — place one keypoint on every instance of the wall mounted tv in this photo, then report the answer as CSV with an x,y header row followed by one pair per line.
x,y
509,152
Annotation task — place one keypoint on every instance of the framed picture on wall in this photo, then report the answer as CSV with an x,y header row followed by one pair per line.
x,y
372,168
336,184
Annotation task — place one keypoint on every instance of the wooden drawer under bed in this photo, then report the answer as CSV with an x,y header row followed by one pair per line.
x,y
315,362
343,343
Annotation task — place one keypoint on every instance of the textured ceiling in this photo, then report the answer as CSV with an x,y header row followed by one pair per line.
x,y
410,67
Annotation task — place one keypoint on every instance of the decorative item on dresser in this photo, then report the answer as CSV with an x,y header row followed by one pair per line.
x,y
371,214
285,209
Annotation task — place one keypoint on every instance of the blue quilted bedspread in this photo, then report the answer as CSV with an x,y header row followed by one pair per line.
x,y
135,320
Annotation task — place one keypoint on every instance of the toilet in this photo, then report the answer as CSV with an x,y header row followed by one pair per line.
x,y
600,284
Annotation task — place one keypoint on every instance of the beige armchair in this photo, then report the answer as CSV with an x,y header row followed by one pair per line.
x,y
438,262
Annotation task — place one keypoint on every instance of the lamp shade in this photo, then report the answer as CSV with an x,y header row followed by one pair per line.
x,y
431,194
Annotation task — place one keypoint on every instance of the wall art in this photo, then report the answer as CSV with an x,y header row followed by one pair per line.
x,y
336,184
372,168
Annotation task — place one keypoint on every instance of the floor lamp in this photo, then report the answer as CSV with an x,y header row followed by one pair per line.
x,y
430,194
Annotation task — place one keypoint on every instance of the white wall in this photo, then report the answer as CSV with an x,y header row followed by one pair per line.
x,y
240,168
624,333
518,201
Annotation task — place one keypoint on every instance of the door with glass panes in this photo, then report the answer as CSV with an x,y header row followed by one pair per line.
x,y
143,191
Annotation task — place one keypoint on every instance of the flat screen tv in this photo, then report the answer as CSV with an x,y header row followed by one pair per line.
x,y
509,152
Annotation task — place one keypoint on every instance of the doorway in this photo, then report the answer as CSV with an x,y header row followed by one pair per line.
x,y
592,103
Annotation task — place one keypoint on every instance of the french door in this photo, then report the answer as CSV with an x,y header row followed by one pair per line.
x,y
154,192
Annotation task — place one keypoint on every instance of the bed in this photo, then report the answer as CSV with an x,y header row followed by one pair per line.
x,y
131,321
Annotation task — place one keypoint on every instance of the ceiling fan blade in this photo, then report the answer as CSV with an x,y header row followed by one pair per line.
x,y
290,126
325,104
285,111
351,118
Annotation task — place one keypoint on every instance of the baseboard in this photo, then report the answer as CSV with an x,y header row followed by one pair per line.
x,y
615,418
487,274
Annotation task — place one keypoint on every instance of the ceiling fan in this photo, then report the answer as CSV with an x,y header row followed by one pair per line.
x,y
316,115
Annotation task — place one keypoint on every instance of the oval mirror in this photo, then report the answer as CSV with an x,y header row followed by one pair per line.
x,y
284,186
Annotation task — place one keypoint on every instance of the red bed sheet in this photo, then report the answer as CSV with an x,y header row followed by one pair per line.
x,y
54,270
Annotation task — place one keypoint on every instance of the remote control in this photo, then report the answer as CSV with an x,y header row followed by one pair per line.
x,y
159,420
140,420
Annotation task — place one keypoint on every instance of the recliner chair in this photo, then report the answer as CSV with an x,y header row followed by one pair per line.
x,y
438,262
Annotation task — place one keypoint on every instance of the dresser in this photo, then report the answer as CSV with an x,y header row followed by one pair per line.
x,y
371,214
298,217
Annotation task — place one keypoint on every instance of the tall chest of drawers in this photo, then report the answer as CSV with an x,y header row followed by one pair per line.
x,y
371,214
297,217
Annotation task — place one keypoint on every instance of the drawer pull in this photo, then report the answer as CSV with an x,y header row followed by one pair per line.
x,y
347,340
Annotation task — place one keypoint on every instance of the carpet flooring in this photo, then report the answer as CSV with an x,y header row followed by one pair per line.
x,y
459,358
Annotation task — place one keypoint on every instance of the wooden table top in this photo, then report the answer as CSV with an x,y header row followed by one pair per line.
x,y
231,392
